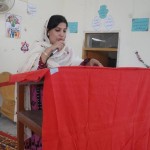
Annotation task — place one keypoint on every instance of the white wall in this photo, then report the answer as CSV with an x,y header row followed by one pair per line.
x,y
82,11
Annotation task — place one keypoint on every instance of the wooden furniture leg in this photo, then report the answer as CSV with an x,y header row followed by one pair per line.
x,y
20,107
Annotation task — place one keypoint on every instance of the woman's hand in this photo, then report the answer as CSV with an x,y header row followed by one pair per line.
x,y
58,45
94,62
47,52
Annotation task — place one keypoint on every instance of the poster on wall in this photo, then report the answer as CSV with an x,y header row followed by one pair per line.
x,y
104,21
109,22
13,26
73,27
103,11
140,24
96,24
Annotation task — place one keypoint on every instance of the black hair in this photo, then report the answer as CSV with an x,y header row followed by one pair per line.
x,y
54,21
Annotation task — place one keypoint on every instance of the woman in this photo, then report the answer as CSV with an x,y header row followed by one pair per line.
x,y
54,38
51,52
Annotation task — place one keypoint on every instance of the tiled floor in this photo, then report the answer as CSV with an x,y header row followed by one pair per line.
x,y
8,126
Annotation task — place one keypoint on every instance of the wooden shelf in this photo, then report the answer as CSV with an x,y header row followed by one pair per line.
x,y
32,119
29,118
102,46
100,49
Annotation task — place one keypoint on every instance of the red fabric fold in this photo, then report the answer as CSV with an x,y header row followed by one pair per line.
x,y
29,76
91,108
6,83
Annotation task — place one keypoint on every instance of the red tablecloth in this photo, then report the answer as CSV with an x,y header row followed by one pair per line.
x,y
97,109
91,108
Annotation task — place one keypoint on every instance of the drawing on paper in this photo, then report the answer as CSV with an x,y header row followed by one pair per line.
x,y
13,28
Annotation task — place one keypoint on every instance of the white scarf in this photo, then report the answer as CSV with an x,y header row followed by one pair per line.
x,y
65,57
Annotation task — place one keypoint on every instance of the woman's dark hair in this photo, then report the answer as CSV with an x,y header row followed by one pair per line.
x,y
54,21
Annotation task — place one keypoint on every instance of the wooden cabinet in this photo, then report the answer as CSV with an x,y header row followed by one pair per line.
x,y
102,46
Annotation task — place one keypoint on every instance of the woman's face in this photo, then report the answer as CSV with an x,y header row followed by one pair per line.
x,y
58,33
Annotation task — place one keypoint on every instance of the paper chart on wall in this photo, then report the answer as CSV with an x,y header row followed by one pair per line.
x,y
13,26
103,11
108,22
31,9
73,27
140,24
104,21
96,24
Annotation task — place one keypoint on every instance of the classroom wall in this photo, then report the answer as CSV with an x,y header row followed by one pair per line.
x,y
83,12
